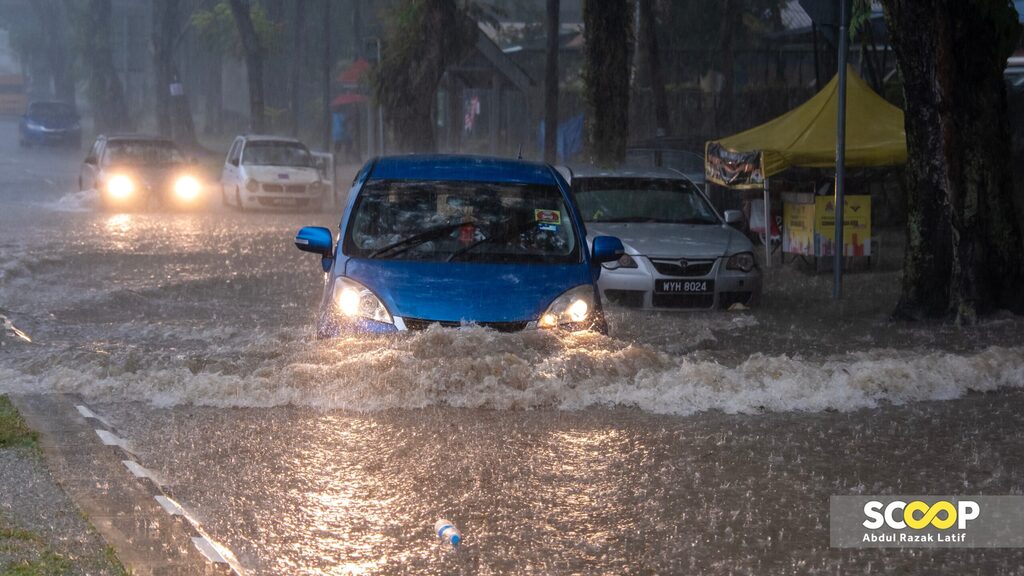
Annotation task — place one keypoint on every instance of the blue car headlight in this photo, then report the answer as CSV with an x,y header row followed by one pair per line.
x,y
34,126
572,307
353,300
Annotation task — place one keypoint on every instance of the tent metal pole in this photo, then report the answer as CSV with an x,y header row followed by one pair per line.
x,y
837,246
767,225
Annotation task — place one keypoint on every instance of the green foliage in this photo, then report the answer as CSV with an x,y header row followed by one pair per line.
x,y
423,38
859,18
216,28
13,431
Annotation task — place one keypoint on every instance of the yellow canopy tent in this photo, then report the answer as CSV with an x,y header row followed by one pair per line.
x,y
806,137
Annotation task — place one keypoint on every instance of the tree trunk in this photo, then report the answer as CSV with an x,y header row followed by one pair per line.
x,y
51,19
214,93
964,243
415,57
165,26
652,58
106,94
551,83
731,18
608,27
254,56
298,56
328,65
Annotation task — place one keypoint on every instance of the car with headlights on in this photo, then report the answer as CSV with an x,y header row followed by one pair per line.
x,y
455,240
680,253
132,172
271,172
50,123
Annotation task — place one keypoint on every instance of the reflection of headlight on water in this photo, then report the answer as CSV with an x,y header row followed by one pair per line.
x,y
186,188
120,187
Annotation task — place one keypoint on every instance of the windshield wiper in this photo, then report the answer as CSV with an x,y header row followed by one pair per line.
x,y
695,221
415,240
504,236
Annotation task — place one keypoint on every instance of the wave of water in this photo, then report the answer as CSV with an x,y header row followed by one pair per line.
x,y
479,368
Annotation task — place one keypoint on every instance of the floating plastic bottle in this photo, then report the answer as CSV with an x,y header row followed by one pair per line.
x,y
447,532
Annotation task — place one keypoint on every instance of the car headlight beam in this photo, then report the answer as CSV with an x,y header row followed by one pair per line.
x,y
186,188
572,307
353,300
120,187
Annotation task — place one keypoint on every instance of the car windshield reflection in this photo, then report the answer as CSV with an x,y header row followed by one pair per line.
x,y
474,222
642,200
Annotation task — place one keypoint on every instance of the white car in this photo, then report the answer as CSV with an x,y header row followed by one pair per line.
x,y
271,172
680,253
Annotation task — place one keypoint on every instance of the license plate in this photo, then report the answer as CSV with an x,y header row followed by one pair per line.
x,y
283,201
684,286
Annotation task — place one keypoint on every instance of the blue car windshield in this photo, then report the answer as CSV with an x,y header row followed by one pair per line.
x,y
467,221
646,200
51,111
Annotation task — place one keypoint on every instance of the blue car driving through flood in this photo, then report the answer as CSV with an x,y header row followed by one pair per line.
x,y
456,240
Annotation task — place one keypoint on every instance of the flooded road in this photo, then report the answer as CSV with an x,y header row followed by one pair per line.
x,y
686,443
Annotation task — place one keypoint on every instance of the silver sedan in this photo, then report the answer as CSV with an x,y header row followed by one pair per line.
x,y
680,253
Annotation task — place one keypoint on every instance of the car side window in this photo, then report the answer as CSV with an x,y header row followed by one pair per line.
x,y
94,153
236,153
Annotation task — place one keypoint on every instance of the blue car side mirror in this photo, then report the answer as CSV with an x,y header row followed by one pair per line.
x,y
316,240
607,249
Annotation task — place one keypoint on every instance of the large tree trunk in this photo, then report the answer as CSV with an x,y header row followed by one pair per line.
x,y
165,26
651,57
551,83
214,93
51,18
608,27
298,55
254,56
326,71
964,243
106,94
731,19
424,37
173,109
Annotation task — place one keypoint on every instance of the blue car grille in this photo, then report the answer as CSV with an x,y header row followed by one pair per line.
x,y
420,324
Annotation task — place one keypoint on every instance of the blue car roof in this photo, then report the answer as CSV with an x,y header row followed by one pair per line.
x,y
461,169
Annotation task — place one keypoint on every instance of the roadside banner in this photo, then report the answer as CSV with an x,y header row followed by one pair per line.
x,y
856,226
798,228
737,170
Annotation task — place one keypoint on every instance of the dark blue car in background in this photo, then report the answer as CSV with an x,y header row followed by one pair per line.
x,y
50,123
455,240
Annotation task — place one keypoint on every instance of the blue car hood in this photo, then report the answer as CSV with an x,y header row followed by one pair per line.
x,y
469,292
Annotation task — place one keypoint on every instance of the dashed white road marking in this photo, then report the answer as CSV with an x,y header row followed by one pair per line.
x,y
111,439
86,413
170,506
208,549
138,470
